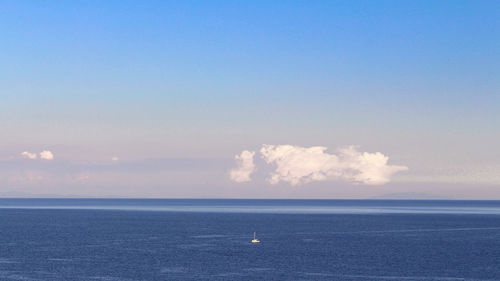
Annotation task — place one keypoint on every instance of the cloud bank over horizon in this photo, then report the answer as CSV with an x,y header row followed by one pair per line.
x,y
299,165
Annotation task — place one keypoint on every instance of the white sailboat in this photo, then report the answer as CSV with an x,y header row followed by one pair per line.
x,y
255,240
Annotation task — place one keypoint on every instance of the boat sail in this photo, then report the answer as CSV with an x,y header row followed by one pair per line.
x,y
255,240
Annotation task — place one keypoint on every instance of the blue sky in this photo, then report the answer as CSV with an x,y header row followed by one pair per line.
x,y
157,81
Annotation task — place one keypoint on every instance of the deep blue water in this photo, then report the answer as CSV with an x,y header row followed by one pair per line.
x,y
122,239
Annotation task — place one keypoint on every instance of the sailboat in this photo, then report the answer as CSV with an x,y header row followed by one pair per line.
x,y
255,240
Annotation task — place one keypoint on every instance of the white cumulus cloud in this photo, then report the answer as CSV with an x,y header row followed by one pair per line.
x,y
245,167
297,165
28,155
47,155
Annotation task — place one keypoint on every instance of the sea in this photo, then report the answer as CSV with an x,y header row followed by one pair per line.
x,y
210,239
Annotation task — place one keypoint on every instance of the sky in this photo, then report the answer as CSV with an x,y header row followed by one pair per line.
x,y
250,99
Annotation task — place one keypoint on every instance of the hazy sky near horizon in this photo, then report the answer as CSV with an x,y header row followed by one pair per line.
x,y
155,98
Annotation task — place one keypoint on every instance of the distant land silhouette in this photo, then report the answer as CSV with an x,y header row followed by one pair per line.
x,y
412,195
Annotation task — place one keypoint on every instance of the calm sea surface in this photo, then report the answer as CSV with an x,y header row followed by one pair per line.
x,y
138,239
